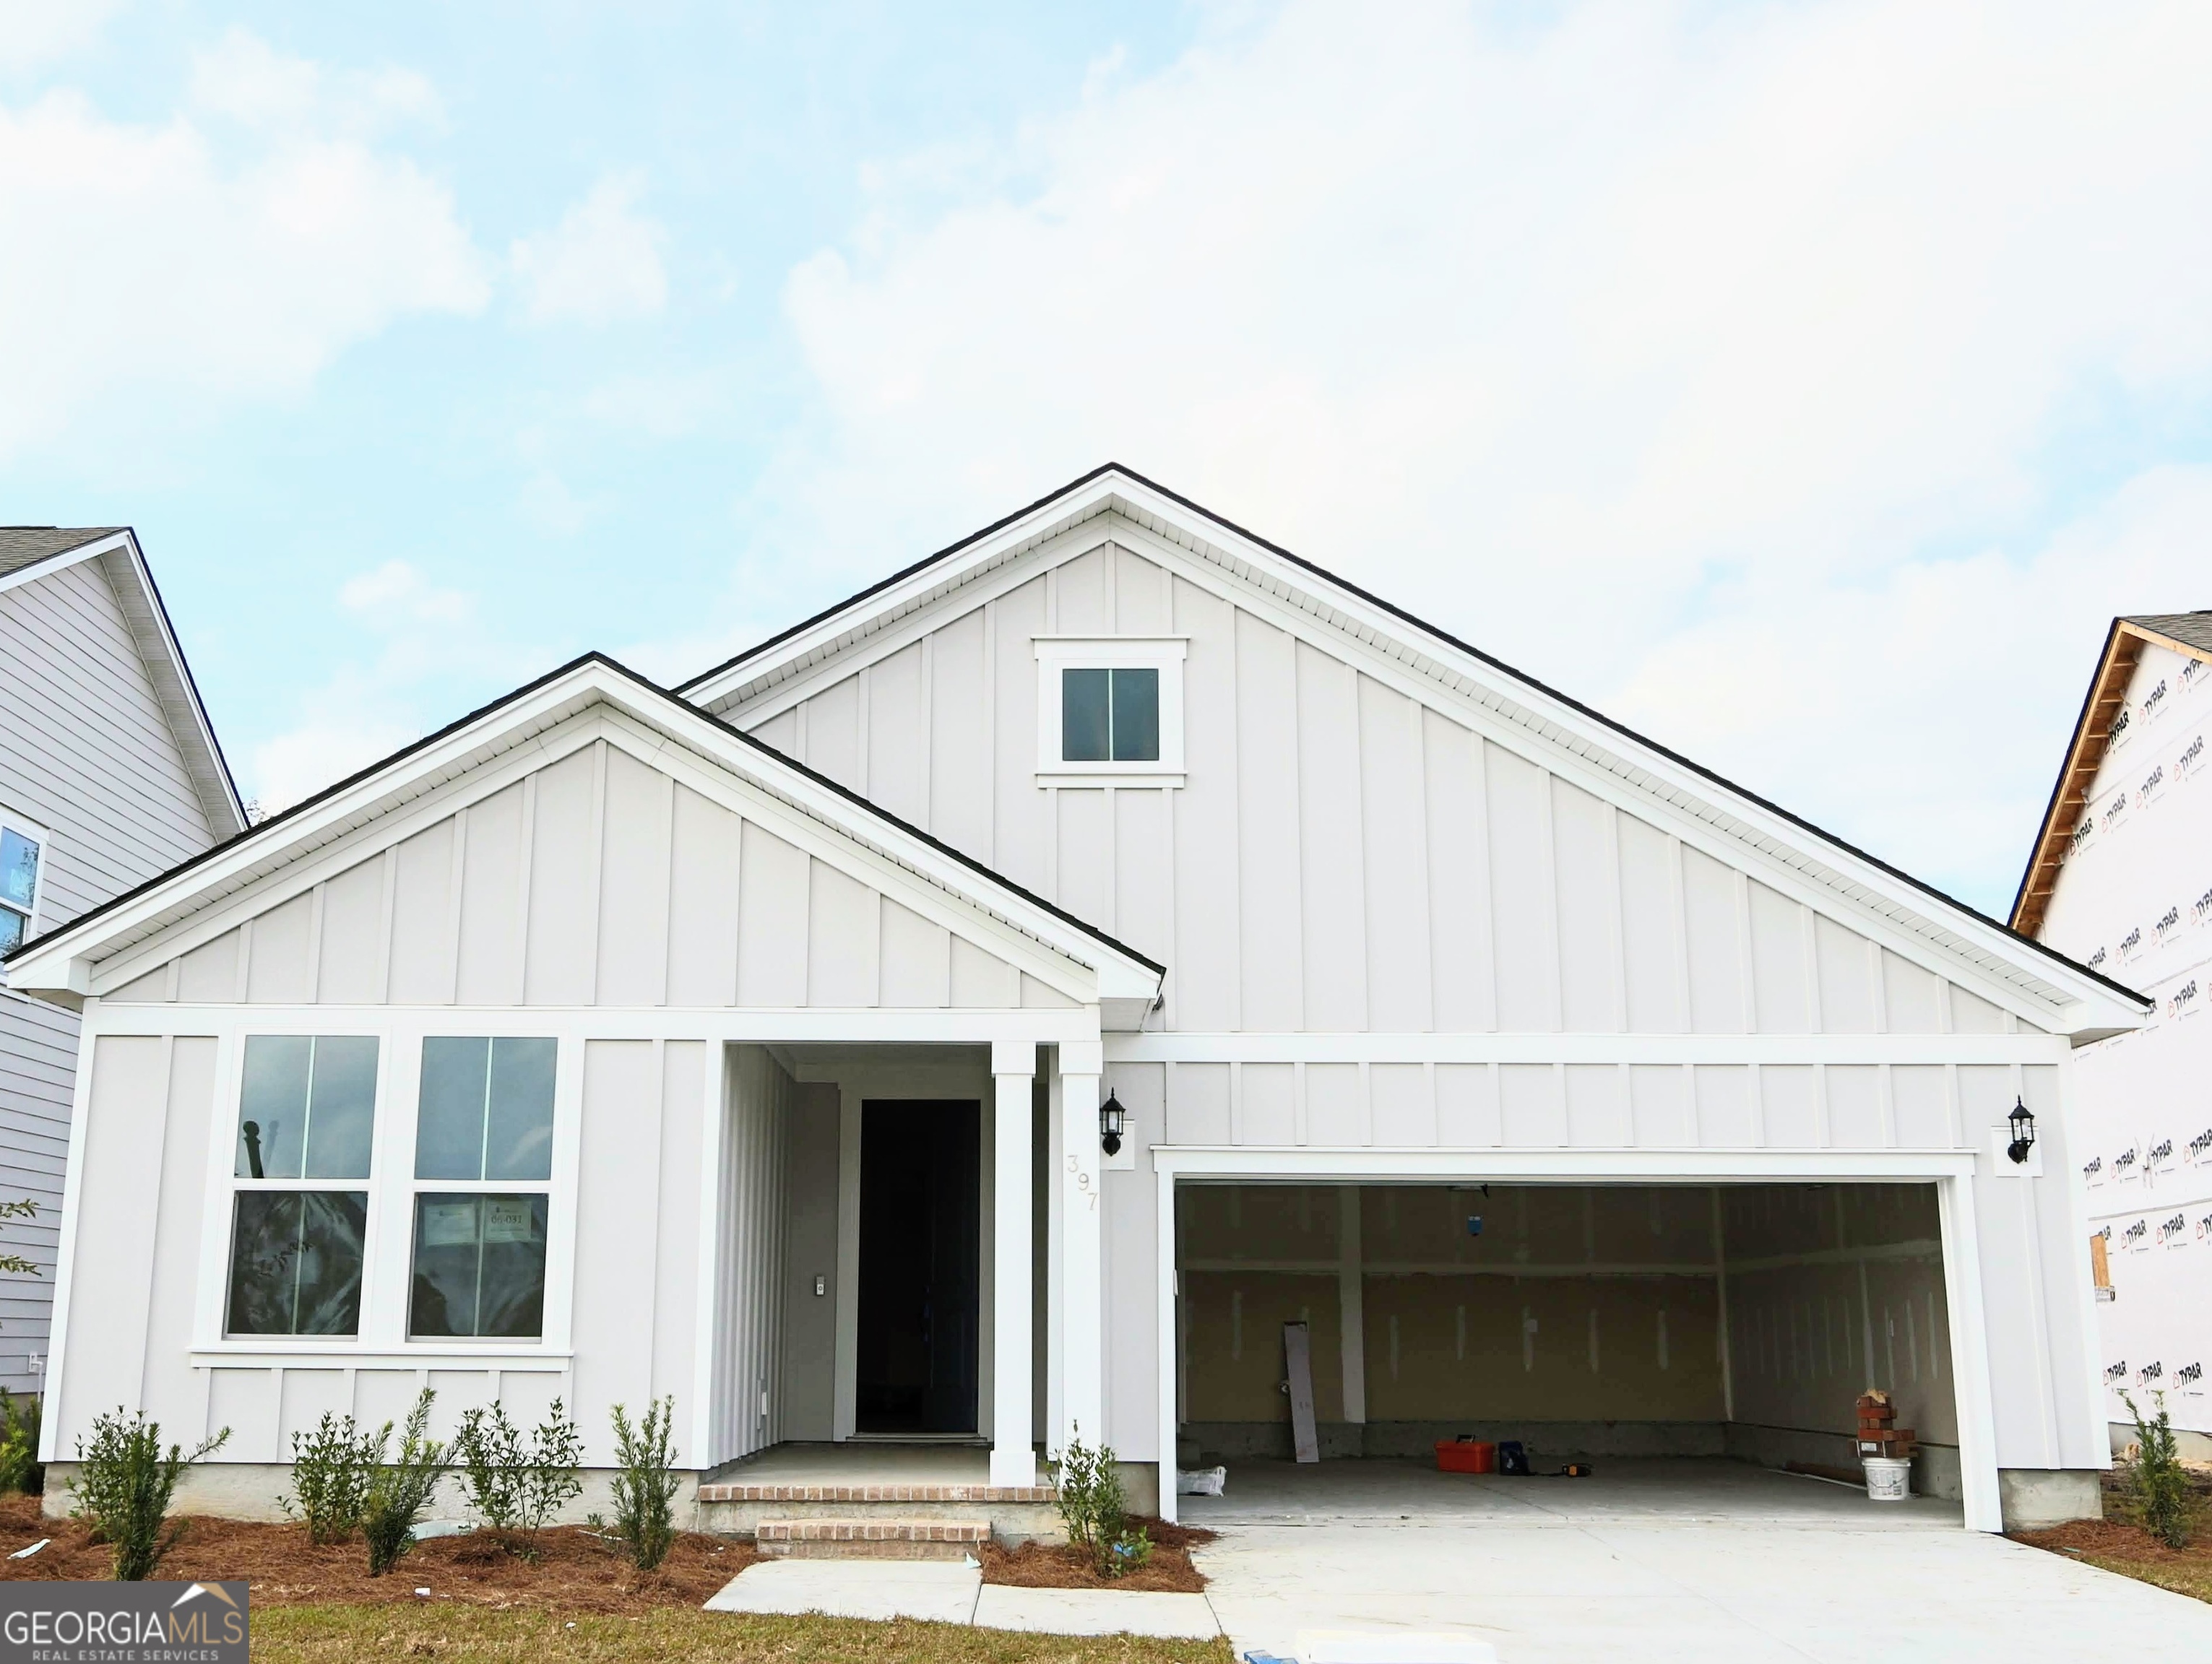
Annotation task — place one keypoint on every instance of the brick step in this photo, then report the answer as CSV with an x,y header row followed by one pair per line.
x,y
870,1540
877,1493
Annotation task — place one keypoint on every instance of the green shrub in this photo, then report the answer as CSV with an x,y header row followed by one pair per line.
x,y
516,1486
124,1487
646,1482
20,1468
330,1469
1093,1509
2157,1483
399,1490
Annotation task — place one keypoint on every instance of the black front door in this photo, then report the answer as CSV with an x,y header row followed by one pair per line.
x,y
919,1192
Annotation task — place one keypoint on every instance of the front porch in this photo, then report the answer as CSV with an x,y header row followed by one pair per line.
x,y
905,1306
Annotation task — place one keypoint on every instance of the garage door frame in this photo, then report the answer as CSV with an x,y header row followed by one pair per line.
x,y
1952,1172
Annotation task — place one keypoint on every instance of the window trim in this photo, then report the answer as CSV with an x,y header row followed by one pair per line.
x,y
387,1244
222,1223
1164,654
24,827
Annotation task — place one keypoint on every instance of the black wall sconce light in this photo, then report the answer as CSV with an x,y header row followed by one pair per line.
x,y
1113,1119
2022,1123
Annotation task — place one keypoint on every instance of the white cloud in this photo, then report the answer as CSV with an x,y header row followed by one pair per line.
x,y
36,32
600,264
1676,354
246,79
150,263
396,591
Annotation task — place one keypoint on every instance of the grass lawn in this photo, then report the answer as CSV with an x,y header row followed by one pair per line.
x,y
463,1634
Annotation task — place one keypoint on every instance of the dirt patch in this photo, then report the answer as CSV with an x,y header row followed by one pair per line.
x,y
1056,1566
574,1572
2118,1546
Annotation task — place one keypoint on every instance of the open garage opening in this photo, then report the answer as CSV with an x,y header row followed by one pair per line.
x,y
1607,1322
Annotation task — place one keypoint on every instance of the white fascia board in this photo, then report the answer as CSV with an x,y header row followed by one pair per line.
x,y
1542,729
158,639
67,961
46,569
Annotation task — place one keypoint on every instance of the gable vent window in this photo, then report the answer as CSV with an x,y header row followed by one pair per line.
x,y
1109,710
21,856
1109,716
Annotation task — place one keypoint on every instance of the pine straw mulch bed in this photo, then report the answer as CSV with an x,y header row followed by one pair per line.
x,y
2115,1543
1057,1566
573,1572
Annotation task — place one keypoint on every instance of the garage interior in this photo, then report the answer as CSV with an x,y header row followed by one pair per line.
x,y
1633,1326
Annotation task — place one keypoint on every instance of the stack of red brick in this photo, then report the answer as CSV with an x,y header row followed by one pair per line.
x,y
1878,1434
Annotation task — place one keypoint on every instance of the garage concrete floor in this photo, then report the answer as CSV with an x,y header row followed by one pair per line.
x,y
1653,1562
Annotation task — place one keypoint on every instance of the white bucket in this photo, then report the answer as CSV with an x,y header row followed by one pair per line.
x,y
1889,1478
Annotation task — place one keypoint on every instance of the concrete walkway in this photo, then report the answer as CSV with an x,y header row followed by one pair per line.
x,y
951,1593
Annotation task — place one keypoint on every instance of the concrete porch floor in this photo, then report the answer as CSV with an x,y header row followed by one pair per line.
x,y
861,1461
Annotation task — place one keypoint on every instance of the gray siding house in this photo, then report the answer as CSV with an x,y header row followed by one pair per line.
x,y
109,774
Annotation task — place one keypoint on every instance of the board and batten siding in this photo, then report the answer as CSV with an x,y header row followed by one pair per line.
x,y
1341,858
147,1207
88,755
594,881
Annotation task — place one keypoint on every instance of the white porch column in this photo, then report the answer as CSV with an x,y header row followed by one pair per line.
x,y
1013,1458
1082,1357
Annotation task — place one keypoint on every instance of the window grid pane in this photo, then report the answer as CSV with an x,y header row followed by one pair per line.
x,y
272,1106
296,1262
1137,716
19,870
12,926
341,1106
449,1123
479,1267
519,1110
1086,721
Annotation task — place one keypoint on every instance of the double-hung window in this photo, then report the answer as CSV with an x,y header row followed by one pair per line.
x,y
22,854
306,1117
483,1166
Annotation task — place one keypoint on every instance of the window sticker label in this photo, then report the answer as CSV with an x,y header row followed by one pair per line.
x,y
507,1219
449,1224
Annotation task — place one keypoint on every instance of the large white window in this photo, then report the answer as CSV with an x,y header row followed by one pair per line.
x,y
1109,710
307,1116
484,1167
22,865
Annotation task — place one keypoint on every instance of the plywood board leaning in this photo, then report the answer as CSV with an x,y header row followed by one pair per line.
x,y
1298,1367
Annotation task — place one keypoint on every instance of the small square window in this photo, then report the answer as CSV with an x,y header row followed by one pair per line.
x,y
1110,715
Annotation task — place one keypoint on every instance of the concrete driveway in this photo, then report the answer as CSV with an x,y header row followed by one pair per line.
x,y
1656,1561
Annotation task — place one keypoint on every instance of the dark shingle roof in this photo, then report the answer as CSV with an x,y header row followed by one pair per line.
x,y
26,545
2193,629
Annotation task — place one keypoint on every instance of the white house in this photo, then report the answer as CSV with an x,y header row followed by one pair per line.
x,y
109,774
2120,877
747,1042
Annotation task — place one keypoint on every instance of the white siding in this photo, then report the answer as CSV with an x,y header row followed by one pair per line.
x,y
599,881
86,752
1340,858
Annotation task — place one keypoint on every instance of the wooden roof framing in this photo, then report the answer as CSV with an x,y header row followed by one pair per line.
x,y
2107,701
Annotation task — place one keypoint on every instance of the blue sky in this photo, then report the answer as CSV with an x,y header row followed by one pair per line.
x,y
1807,385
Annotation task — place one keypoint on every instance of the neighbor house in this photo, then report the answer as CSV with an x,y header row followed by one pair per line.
x,y
109,774
765,1043
2120,877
